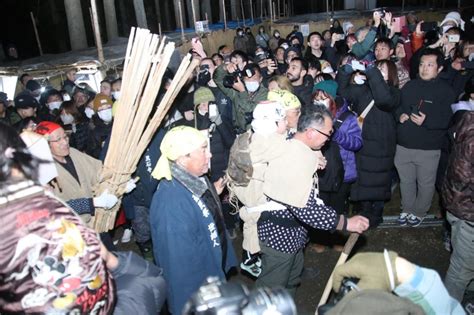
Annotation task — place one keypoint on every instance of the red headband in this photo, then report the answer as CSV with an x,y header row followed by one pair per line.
x,y
46,127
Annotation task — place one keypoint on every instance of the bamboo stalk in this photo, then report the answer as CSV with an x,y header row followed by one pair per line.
x,y
194,13
36,34
251,10
243,11
225,17
274,11
98,39
146,60
181,20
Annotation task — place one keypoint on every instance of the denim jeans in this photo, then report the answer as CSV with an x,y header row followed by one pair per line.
x,y
461,267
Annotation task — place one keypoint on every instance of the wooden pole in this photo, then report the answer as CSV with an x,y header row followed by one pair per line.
x,y
36,34
225,17
98,39
92,23
243,12
274,11
251,10
327,7
194,13
342,259
271,10
181,20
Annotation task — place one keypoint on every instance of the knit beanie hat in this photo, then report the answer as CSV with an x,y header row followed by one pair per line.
x,y
100,100
202,95
328,86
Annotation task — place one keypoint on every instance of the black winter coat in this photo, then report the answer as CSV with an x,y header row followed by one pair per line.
x,y
81,138
374,160
100,133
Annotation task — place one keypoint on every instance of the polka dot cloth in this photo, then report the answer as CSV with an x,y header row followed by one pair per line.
x,y
291,239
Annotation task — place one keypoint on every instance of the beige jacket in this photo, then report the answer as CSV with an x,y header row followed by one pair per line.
x,y
283,171
88,170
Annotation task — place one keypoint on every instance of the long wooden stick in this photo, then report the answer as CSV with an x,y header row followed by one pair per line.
x,y
243,11
194,13
225,17
181,20
36,34
274,12
251,9
146,60
342,259
98,39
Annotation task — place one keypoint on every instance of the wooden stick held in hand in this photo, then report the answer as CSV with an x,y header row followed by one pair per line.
x,y
342,259
146,60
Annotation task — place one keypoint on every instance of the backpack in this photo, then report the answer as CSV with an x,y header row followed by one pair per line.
x,y
240,170
331,177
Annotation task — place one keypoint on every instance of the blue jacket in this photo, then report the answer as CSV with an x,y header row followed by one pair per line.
x,y
183,244
349,138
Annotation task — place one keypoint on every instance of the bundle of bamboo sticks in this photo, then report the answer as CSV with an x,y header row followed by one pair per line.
x,y
146,60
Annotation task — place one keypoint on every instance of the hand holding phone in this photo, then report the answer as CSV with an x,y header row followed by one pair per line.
x,y
428,26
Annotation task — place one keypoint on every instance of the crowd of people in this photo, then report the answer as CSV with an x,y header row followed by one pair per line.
x,y
276,135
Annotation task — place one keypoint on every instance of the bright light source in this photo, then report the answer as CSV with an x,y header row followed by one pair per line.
x,y
42,89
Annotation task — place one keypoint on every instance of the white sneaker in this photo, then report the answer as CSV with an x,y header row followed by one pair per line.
x,y
127,235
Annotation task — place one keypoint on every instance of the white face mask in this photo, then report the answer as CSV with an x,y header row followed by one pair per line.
x,y
54,105
326,102
358,79
67,119
252,86
89,112
105,115
116,95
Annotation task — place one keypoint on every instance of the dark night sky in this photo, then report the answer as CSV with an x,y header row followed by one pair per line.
x,y
52,24
52,27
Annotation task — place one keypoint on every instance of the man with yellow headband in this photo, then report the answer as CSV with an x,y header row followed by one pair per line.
x,y
188,231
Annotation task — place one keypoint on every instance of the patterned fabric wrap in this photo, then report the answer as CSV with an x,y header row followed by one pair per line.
x,y
49,260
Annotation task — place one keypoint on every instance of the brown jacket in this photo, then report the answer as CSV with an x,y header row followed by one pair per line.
x,y
88,169
458,187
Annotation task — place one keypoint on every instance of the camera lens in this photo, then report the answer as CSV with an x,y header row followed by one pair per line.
x,y
276,299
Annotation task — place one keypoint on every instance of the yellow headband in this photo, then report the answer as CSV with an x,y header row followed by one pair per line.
x,y
177,142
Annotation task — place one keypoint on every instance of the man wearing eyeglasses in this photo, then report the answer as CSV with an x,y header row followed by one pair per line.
x,y
281,233
77,173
